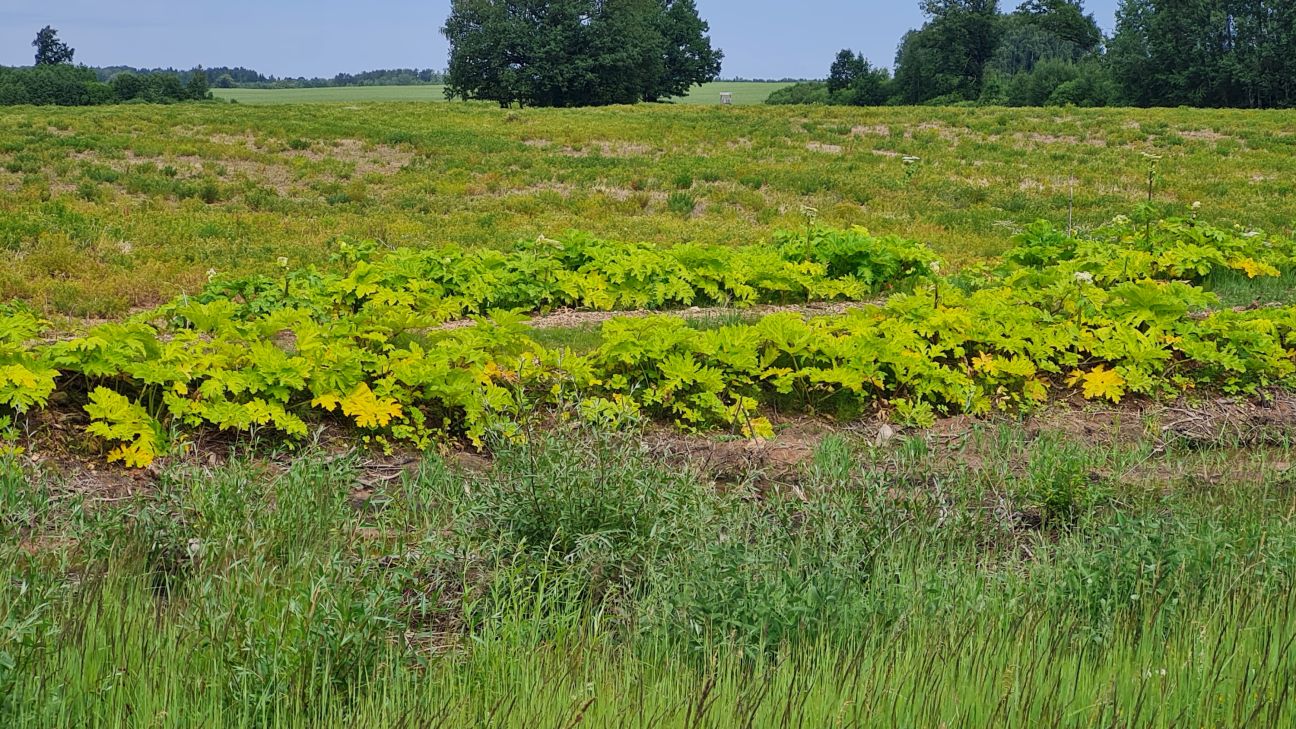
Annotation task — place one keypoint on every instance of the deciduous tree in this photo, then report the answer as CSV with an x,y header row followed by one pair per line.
x,y
576,52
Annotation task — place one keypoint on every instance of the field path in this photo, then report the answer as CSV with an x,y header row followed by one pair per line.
x,y
572,318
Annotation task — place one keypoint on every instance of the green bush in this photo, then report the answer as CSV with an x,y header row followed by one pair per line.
x,y
67,85
808,92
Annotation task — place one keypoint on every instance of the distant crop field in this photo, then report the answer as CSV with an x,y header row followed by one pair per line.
x,y
348,94
743,93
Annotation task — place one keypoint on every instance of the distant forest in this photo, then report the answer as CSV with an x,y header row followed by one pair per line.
x,y
54,79
225,77
1204,53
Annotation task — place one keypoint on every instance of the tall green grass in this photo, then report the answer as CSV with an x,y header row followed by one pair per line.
x,y
583,580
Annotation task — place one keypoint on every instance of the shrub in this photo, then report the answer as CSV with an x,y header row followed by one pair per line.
x,y
809,92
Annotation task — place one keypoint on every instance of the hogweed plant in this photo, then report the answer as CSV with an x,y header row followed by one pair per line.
x,y
910,167
368,347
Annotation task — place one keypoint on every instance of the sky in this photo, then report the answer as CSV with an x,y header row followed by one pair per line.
x,y
760,38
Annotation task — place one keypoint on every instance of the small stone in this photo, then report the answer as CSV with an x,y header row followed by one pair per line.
x,y
884,435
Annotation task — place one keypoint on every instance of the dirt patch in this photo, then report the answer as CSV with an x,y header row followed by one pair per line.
x,y
367,158
279,175
875,130
1238,426
1224,422
940,129
1038,138
607,148
124,162
246,139
280,178
46,543
568,190
10,181
825,148
1204,135
1094,424
90,478
781,462
1231,422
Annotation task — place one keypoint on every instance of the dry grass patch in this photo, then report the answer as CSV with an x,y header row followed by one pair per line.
x,y
824,148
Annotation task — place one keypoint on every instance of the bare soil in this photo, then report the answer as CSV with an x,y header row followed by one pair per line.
x,y
1237,429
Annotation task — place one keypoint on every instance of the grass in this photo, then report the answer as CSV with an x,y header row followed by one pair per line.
x,y
579,578
1237,290
744,92
110,209
1002,576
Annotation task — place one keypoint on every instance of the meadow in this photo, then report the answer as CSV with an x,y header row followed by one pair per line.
x,y
1019,454
114,209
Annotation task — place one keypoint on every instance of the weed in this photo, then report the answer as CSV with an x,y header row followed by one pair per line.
x,y
580,576
681,203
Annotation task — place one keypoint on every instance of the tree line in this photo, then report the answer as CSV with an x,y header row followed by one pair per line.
x,y
226,77
53,80
1212,53
241,78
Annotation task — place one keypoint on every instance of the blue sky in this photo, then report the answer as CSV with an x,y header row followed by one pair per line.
x,y
761,38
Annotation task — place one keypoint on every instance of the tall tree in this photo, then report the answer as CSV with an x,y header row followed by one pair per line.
x,y
1205,52
576,52
625,57
1064,19
853,81
688,58
846,67
198,87
486,39
1046,31
946,58
50,51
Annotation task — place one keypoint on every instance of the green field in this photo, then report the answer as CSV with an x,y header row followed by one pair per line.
x,y
747,92
111,209
1019,454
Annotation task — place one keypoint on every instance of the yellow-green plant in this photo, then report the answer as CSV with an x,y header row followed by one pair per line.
x,y
364,350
